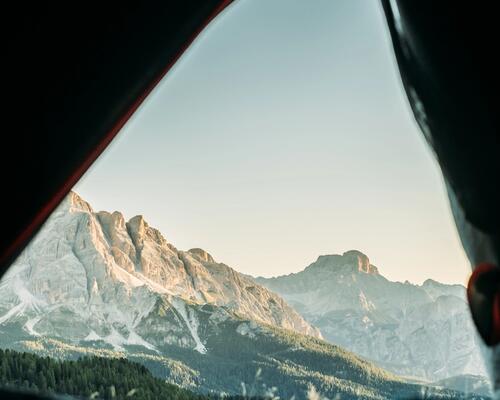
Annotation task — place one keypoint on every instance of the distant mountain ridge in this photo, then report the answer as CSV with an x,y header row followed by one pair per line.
x,y
423,331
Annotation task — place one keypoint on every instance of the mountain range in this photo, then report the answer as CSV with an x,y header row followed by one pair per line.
x,y
93,283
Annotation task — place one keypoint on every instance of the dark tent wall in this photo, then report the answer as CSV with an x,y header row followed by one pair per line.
x,y
450,73
450,70
75,74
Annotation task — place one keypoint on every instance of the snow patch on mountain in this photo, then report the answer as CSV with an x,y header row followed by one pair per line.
x,y
191,322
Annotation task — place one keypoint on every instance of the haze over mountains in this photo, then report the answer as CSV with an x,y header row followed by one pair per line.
x,y
423,331
93,283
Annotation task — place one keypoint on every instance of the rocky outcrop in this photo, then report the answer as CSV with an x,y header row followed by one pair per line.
x,y
352,260
359,260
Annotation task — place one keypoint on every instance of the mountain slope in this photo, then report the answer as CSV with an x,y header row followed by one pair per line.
x,y
90,276
256,361
422,331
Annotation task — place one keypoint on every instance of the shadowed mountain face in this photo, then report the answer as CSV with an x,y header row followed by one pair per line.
x,y
423,331
93,283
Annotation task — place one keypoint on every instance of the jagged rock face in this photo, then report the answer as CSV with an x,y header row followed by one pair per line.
x,y
422,331
359,260
90,276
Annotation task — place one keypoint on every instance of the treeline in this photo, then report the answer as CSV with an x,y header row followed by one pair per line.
x,y
88,377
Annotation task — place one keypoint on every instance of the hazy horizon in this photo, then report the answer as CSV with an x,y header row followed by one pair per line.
x,y
283,134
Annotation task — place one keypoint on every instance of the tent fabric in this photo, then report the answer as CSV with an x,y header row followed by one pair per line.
x,y
75,74
451,77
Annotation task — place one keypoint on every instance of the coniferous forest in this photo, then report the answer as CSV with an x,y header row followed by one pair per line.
x,y
89,377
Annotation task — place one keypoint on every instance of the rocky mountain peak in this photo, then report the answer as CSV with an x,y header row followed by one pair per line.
x,y
352,259
74,202
139,230
113,220
357,258
137,226
202,255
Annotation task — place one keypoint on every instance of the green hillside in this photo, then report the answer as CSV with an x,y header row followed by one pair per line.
x,y
242,359
89,377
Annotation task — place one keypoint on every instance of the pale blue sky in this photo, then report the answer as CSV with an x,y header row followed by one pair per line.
x,y
283,133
